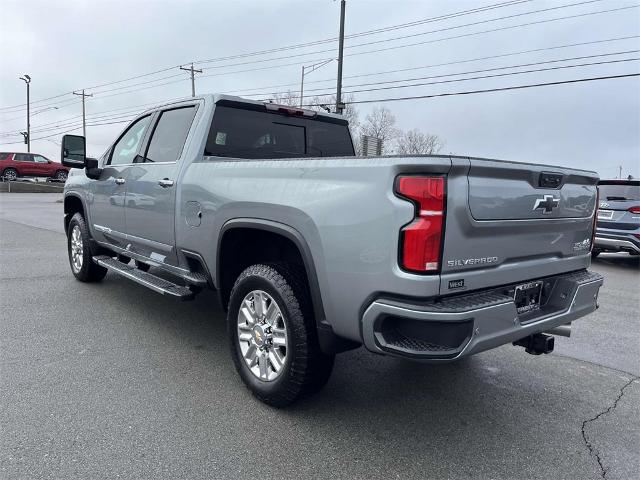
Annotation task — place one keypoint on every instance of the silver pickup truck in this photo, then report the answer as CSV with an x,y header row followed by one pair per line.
x,y
315,251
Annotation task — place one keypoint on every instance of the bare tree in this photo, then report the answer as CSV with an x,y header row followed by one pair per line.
x,y
415,142
380,123
289,98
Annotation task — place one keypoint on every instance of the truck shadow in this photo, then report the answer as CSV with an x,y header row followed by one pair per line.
x,y
480,413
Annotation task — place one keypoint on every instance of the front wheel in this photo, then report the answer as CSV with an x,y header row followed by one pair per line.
x,y
78,246
10,174
273,335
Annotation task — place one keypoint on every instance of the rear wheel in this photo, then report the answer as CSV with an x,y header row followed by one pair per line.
x,y
10,174
273,336
78,246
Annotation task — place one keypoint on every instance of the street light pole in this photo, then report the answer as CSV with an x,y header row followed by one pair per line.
x,y
311,68
339,104
27,79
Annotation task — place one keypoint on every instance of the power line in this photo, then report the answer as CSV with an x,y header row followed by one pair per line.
x,y
433,65
419,97
130,110
301,45
522,65
436,31
387,48
489,90
368,32
480,77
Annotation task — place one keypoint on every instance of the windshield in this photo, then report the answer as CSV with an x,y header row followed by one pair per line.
x,y
619,192
242,133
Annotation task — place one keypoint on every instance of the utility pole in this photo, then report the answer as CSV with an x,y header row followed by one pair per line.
x,y
84,123
27,79
193,77
339,104
620,170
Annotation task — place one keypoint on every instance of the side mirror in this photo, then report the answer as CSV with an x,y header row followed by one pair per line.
x,y
73,151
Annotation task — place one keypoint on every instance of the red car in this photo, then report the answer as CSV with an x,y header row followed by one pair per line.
x,y
14,165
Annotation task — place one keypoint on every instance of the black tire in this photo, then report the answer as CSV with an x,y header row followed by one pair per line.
x,y
142,266
306,369
10,174
61,175
88,271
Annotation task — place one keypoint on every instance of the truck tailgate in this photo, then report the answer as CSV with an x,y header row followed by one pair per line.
x,y
508,222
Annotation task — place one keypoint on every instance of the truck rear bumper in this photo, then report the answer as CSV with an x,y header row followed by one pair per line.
x,y
463,325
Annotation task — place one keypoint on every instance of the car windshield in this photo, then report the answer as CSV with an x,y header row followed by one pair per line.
x,y
619,192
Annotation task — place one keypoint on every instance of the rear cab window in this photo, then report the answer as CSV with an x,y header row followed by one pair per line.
x,y
251,131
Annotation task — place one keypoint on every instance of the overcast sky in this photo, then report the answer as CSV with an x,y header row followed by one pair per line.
x,y
70,45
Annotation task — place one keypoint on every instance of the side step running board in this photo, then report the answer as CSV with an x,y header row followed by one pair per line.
x,y
146,279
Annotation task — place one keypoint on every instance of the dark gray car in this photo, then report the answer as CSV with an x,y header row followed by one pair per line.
x,y
618,224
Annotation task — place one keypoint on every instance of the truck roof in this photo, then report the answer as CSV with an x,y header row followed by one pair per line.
x,y
217,97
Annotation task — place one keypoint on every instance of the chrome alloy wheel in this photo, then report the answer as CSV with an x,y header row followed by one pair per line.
x,y
77,251
262,335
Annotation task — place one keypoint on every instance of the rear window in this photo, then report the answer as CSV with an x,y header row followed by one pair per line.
x,y
242,133
620,192
4,156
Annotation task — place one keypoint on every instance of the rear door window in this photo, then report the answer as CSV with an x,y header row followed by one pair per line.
x,y
254,134
170,135
23,157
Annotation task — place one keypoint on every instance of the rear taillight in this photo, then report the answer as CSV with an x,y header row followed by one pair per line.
x,y
595,219
635,209
421,240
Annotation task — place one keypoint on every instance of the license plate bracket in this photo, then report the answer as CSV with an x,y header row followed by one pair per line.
x,y
527,297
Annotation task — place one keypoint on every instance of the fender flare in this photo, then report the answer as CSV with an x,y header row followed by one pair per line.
x,y
330,343
289,233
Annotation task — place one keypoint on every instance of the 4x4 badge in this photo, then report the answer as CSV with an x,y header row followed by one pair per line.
x,y
547,203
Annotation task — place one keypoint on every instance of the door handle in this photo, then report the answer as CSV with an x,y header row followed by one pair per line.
x,y
165,183
120,181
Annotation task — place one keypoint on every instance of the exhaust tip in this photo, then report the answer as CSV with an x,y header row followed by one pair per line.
x,y
561,330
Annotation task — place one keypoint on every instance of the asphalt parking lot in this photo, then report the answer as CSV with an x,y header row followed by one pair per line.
x,y
111,380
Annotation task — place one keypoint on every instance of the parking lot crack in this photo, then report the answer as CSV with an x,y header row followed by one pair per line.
x,y
592,450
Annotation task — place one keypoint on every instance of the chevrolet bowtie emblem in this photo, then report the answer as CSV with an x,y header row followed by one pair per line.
x,y
547,203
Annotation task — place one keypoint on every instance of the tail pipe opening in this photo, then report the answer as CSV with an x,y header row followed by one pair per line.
x,y
561,330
